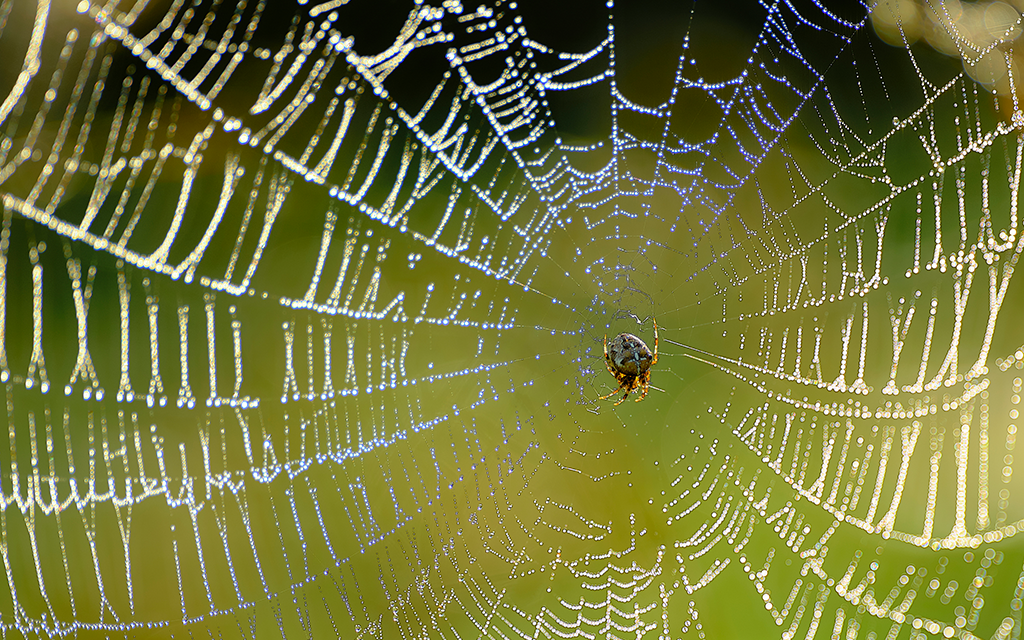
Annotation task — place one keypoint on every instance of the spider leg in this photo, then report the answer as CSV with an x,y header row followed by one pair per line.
x,y
607,359
655,361
611,370
622,400
611,394
644,385
622,385
643,393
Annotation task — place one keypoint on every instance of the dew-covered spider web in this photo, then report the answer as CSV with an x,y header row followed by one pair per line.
x,y
303,310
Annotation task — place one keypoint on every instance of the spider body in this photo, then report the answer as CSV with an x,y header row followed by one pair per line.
x,y
629,359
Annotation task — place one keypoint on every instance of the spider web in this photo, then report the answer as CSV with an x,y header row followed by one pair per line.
x,y
303,312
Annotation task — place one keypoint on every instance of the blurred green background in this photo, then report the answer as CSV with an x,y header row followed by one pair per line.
x,y
304,311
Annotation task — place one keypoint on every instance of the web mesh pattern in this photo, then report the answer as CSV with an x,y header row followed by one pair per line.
x,y
303,313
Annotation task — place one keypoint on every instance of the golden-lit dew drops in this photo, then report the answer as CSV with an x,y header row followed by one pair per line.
x,y
982,34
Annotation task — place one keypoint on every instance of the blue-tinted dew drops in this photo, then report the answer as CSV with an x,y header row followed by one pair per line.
x,y
303,311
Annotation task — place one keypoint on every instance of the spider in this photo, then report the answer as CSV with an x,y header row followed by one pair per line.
x,y
630,362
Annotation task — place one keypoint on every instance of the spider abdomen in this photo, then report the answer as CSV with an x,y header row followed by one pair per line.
x,y
629,355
